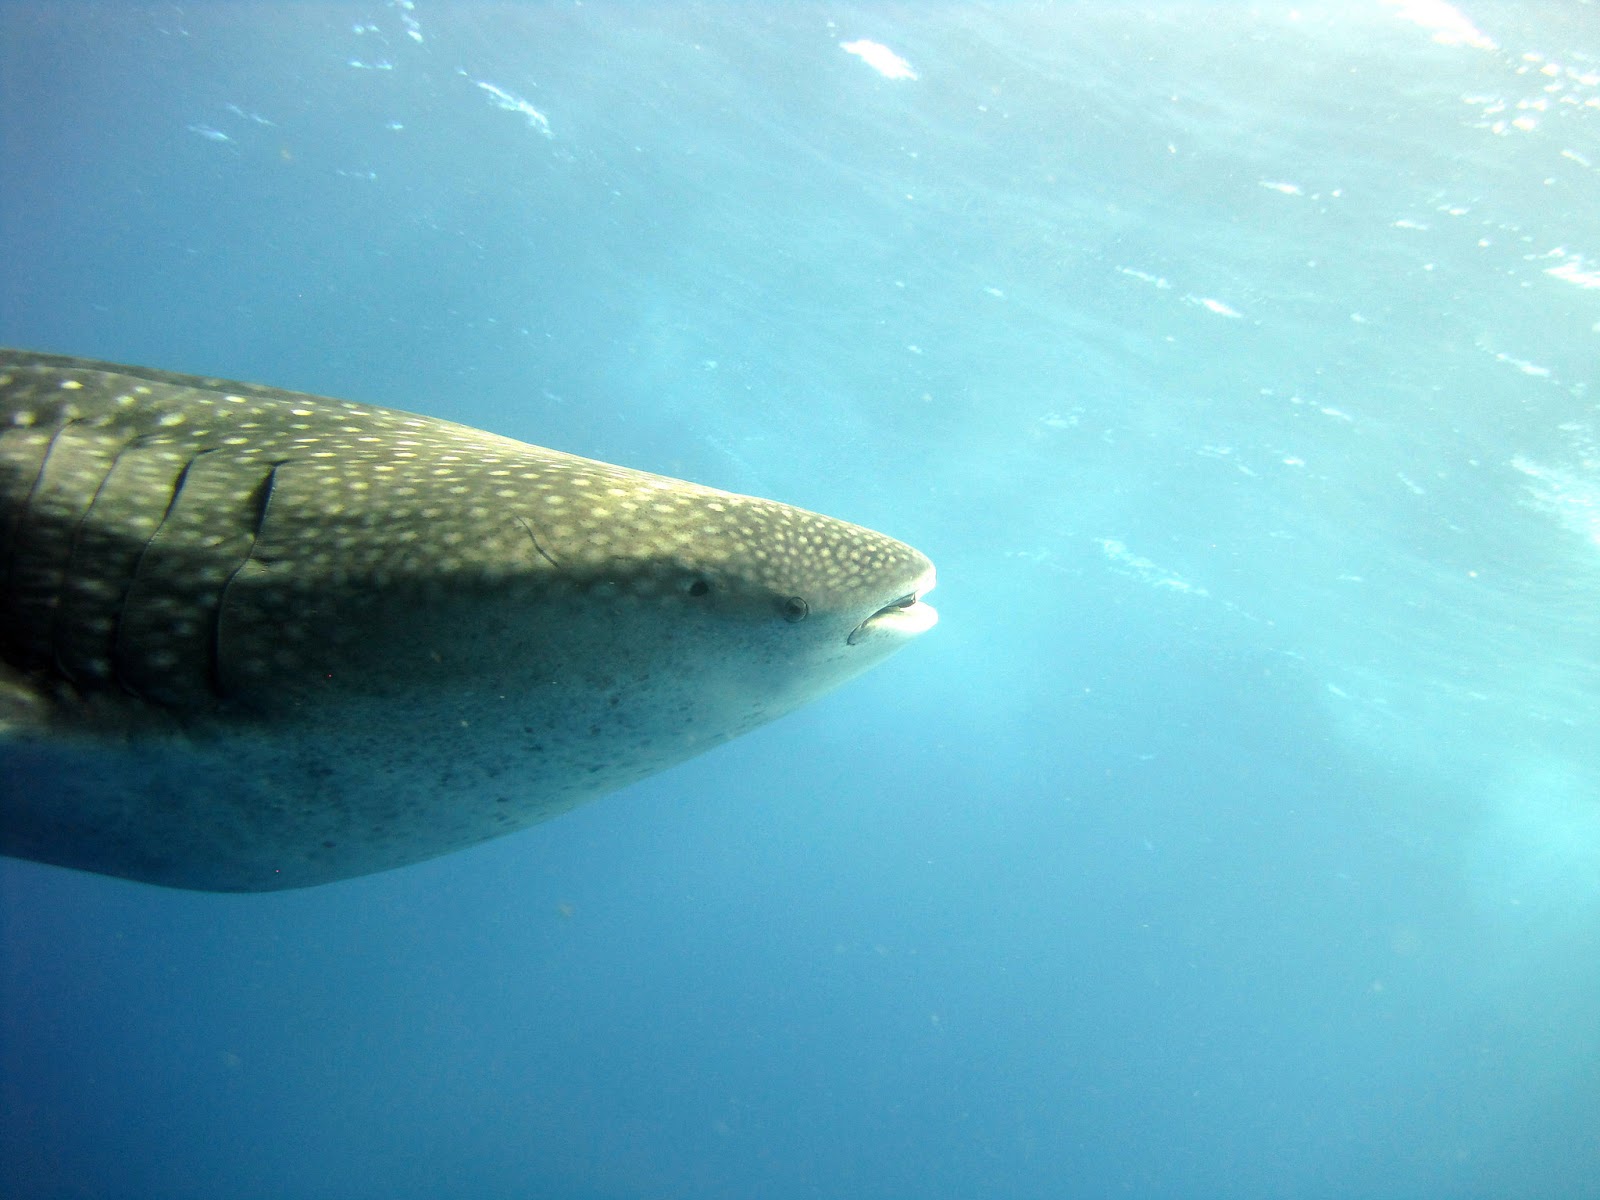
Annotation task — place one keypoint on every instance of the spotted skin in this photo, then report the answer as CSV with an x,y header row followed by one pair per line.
x,y
253,639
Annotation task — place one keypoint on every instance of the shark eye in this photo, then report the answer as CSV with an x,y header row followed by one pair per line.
x,y
795,609
699,587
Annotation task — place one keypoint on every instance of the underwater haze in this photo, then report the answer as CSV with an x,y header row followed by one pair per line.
x,y
1237,831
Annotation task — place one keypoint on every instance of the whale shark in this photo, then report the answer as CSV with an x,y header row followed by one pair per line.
x,y
253,639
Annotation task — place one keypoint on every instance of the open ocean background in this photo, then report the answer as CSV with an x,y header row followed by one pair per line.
x,y
1236,833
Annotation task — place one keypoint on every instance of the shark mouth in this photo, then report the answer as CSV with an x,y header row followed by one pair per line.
x,y
905,617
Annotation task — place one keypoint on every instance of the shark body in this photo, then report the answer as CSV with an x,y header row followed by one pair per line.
x,y
252,639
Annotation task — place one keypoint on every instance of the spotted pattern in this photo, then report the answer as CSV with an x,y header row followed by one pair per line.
x,y
330,638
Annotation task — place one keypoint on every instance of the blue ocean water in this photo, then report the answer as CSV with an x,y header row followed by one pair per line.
x,y
1236,833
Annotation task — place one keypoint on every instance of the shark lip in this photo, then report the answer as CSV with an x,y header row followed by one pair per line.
x,y
905,617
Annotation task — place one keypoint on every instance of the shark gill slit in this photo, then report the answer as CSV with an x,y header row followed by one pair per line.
x,y
63,599
19,523
534,538
261,498
117,648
